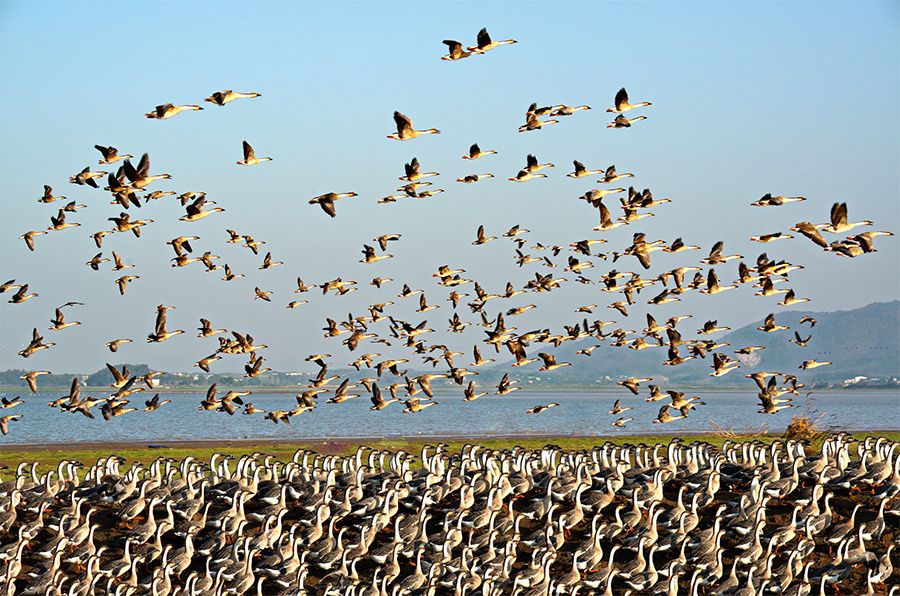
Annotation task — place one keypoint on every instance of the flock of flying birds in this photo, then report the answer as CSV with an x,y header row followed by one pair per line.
x,y
129,188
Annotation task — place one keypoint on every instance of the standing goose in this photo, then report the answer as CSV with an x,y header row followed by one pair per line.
x,y
485,43
622,105
250,157
405,131
167,110
455,50
220,98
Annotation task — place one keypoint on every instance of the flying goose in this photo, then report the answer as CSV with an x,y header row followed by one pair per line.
x,y
769,325
326,201
810,231
56,224
22,295
581,171
622,105
58,323
541,408
86,176
469,179
4,423
369,255
484,43
110,154
114,344
268,263
525,175
622,122
414,404
36,344
475,152
405,131
532,122
154,403
455,50
31,378
791,299
260,294
48,197
633,383
197,210
167,110
160,333
839,224
611,176
767,200
564,110
550,363
140,177
810,364
250,157
480,237
28,237
220,98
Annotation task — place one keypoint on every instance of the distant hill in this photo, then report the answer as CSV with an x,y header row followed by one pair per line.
x,y
864,342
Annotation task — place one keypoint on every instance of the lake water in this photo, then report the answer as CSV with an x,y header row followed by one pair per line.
x,y
579,413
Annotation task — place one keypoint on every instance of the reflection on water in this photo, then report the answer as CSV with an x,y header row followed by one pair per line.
x,y
580,413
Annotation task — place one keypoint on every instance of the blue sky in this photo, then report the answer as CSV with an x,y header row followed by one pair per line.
x,y
748,98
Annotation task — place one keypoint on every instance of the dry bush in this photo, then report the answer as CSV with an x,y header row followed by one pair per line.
x,y
804,428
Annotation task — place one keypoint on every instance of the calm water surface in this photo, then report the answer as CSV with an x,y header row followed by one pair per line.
x,y
580,413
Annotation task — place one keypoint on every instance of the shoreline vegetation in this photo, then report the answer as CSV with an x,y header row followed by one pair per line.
x,y
48,456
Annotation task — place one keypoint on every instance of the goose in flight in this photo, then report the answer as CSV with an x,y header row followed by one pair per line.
x,y
541,408
664,416
378,402
469,179
470,394
268,263
114,344
770,326
505,386
564,110
140,177
414,173
475,152
716,257
621,422
261,295
481,238
58,323
250,157
622,122
123,282
110,154
405,131
618,409
197,210
839,223
56,224
167,110
229,275
767,200
455,50
4,425
414,405
220,98
766,238
799,340
810,231
37,343
550,362
532,122
31,378
622,105
790,299
326,201
484,43
86,176
525,175
28,237
160,334
633,383
22,295
611,176
48,196
810,364
581,171
369,255
154,403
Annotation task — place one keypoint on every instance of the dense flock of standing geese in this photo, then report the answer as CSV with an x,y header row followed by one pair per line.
x,y
662,519
746,519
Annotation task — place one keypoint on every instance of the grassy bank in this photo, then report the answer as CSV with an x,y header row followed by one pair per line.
x,y
49,456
